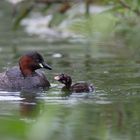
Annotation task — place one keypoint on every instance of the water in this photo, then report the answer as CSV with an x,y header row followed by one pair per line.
x,y
110,113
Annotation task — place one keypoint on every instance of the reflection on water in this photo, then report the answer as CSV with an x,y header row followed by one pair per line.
x,y
110,113
29,106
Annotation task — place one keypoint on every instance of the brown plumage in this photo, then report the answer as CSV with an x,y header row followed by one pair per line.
x,y
26,75
77,87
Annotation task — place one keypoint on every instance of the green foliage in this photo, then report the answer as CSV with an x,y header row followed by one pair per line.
x,y
130,5
95,26
13,127
57,19
122,19
25,9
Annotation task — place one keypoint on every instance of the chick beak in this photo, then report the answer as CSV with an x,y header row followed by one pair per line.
x,y
57,78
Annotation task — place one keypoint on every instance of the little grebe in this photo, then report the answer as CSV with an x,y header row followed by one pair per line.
x,y
76,88
26,75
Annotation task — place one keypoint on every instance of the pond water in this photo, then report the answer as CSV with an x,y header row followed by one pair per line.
x,y
110,113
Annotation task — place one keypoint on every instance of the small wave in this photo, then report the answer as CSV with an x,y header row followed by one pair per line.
x,y
10,98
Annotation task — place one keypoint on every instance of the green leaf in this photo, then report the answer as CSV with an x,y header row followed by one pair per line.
x,y
24,11
57,19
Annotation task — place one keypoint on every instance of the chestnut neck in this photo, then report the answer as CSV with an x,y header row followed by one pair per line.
x,y
25,66
27,72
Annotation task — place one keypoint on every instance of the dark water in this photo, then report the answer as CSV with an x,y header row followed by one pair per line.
x,y
110,113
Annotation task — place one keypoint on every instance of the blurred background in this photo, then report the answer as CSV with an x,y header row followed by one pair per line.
x,y
97,41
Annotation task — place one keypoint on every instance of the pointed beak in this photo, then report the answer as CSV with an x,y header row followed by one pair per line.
x,y
44,65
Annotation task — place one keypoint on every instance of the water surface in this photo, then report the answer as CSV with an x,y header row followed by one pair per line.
x,y
110,113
